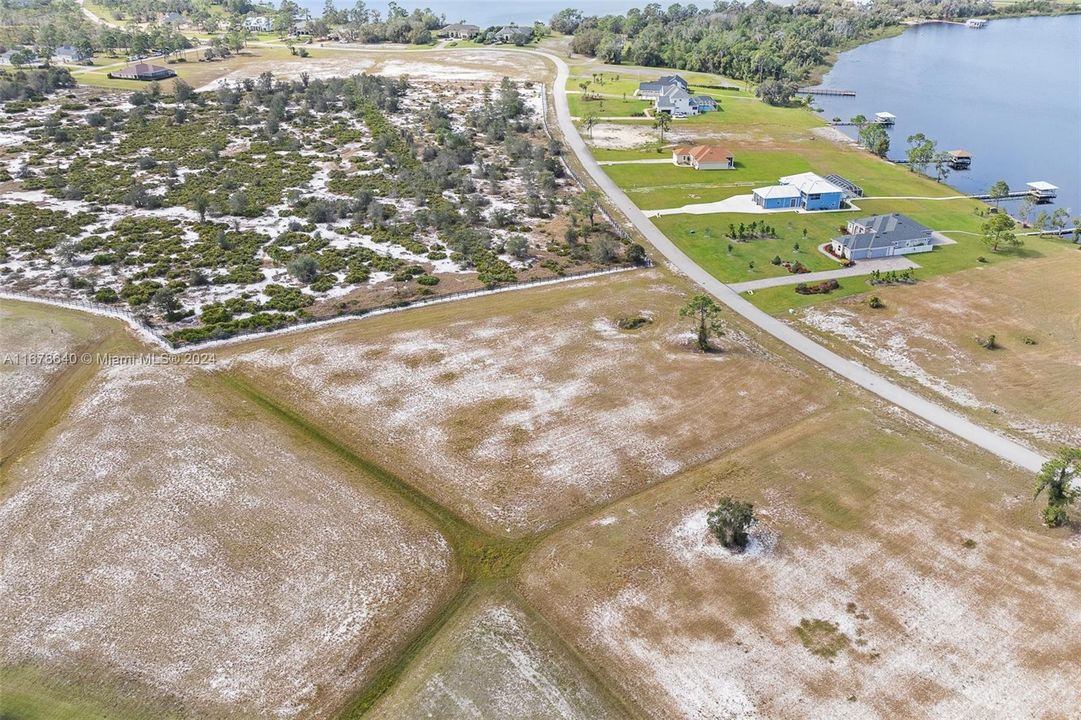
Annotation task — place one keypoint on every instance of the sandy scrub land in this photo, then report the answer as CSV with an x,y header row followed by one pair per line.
x,y
166,535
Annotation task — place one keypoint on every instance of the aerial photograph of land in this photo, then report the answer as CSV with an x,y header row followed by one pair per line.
x,y
540,360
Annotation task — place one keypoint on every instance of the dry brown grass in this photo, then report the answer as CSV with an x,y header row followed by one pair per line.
x,y
863,521
167,535
927,335
522,409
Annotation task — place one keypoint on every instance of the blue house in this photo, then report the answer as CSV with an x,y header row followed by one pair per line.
x,y
806,191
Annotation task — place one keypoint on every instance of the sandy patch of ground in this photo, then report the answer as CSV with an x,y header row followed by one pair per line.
x,y
36,346
861,542
316,67
164,533
495,661
617,136
927,335
520,409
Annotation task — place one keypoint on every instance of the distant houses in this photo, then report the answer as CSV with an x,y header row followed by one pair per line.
x,y
71,55
459,31
513,34
671,94
806,191
21,57
175,19
143,71
880,236
258,23
704,157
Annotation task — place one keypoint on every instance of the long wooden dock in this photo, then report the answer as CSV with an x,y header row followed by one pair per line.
x,y
826,91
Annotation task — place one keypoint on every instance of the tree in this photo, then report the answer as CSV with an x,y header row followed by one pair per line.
x,y
586,203
999,230
590,121
706,315
775,92
517,247
304,268
1041,221
875,138
1057,477
729,522
166,301
1025,209
1058,220
200,203
998,191
662,122
635,253
920,153
942,166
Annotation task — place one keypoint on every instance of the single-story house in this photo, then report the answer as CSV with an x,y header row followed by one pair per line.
x,y
805,190
143,71
258,23
656,88
880,236
776,197
300,27
460,31
513,34
70,55
704,157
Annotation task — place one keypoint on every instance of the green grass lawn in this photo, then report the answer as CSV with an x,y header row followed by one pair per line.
x,y
654,187
779,300
704,239
605,106
30,693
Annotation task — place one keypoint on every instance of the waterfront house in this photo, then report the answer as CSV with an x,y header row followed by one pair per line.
x,y
880,236
258,23
676,102
143,71
459,31
816,192
514,34
776,197
656,88
960,159
703,157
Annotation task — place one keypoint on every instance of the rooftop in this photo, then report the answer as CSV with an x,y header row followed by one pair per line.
x,y
777,191
704,153
1042,185
810,184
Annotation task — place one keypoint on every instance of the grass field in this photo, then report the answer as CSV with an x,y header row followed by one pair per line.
x,y
169,543
523,411
862,541
926,336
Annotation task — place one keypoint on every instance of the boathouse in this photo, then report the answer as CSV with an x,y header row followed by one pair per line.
x,y
885,118
960,159
1042,192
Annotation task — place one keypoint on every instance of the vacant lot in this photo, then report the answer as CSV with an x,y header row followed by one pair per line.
x,y
928,335
521,409
39,346
167,543
891,575
496,661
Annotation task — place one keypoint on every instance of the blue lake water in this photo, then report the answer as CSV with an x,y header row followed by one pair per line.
x,y
1010,94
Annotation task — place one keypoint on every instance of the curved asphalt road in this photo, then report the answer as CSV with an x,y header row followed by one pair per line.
x,y
931,412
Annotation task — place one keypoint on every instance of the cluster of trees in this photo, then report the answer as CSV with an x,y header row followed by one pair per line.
x,y
363,24
1059,478
25,84
753,231
757,42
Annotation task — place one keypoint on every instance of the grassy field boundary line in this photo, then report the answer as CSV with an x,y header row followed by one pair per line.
x,y
600,679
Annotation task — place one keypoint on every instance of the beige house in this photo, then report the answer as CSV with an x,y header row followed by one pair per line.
x,y
703,157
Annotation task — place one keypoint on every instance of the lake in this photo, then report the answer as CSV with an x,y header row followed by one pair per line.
x,y
1010,94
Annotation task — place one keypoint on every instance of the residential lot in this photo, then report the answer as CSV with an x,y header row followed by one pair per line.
x,y
167,548
928,335
524,409
859,596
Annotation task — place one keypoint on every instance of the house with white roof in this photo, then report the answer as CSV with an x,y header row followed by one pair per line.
x,y
807,191
258,23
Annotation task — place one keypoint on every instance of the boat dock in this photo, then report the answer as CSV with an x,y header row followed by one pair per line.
x,y
1040,191
881,118
826,91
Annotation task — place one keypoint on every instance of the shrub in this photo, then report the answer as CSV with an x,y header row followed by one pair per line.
x,y
633,323
776,260
304,268
427,280
106,295
875,302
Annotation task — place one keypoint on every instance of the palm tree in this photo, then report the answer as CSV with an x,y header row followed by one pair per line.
x,y
662,122
590,121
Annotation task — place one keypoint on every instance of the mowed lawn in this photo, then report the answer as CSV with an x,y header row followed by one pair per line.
x,y
705,239
655,187
605,106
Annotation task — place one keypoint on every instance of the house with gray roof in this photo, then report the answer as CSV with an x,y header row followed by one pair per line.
x,y
880,236
461,31
656,88
513,34
70,55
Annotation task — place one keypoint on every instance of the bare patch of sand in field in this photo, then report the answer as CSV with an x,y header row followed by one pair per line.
x,y
169,535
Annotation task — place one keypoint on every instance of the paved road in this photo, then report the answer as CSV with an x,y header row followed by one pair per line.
x,y
931,412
